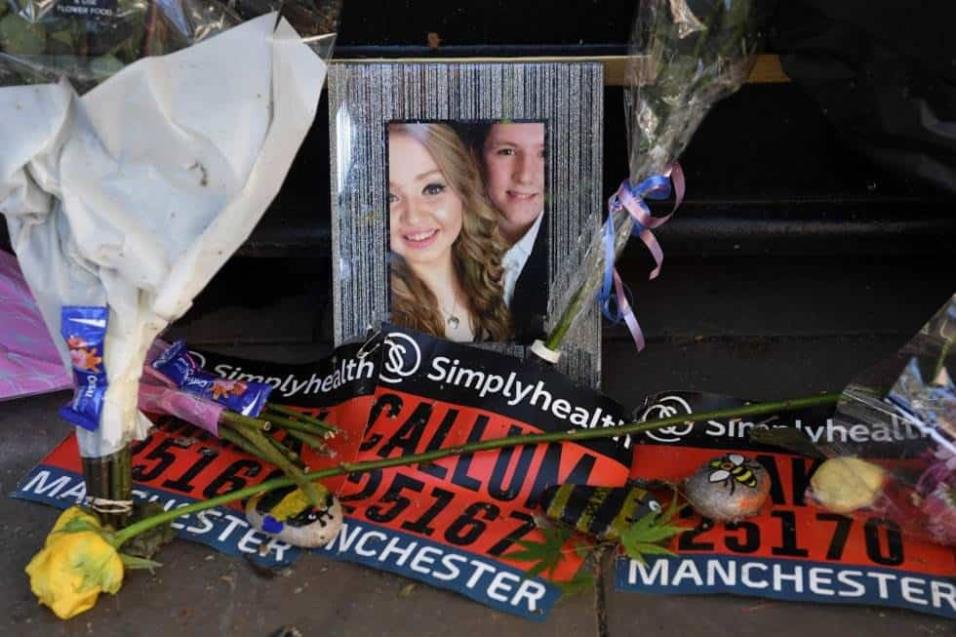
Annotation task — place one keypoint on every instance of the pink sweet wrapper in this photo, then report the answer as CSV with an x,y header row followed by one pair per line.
x,y
29,362
157,399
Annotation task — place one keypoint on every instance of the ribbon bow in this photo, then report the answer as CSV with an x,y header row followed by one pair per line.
x,y
631,198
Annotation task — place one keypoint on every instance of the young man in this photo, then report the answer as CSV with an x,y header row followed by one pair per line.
x,y
513,162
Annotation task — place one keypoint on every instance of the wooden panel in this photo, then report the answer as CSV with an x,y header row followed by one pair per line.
x,y
766,70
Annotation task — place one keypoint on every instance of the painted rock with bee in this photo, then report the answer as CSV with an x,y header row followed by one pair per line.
x,y
600,512
728,487
288,515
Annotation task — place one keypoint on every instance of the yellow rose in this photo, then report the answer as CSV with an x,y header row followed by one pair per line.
x,y
76,564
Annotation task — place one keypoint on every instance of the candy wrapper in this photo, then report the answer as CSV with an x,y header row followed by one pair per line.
x,y
129,197
178,367
686,55
891,447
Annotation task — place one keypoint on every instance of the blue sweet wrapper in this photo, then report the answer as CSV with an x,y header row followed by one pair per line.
x,y
242,396
84,329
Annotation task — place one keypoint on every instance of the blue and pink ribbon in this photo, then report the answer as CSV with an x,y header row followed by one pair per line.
x,y
631,198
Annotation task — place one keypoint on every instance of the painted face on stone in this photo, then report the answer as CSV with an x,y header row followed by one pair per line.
x,y
425,214
514,157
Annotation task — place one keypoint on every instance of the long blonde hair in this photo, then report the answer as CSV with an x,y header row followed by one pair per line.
x,y
476,252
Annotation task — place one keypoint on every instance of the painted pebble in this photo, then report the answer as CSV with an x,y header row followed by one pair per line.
x,y
728,488
288,515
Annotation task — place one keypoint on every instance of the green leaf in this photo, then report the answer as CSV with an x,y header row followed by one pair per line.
x,y
19,37
546,555
580,583
105,66
638,551
648,535
655,549
138,563
583,550
659,533
79,525
148,543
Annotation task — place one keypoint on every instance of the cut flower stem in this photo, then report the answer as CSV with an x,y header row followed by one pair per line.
x,y
573,435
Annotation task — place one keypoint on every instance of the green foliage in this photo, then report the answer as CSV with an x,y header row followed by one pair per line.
x,y
648,535
583,581
80,525
132,562
546,555
147,544
20,37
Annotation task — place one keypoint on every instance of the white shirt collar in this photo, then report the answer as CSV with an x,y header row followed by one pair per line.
x,y
517,255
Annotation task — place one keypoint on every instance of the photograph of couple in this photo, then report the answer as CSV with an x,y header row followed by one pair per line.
x,y
467,231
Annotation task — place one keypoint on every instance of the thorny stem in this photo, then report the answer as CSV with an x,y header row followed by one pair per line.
x,y
235,439
314,442
573,435
286,411
233,418
294,425
270,454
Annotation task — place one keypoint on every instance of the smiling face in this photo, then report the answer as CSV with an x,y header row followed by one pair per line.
x,y
513,156
425,214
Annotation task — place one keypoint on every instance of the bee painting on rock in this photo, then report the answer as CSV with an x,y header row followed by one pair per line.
x,y
728,487
733,469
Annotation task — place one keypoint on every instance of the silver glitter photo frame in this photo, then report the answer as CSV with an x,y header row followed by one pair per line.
x,y
368,100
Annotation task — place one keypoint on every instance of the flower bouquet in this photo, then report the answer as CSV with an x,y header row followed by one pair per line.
x,y
127,184
125,278
685,56
894,448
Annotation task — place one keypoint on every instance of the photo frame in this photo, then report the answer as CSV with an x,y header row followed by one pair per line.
x,y
365,99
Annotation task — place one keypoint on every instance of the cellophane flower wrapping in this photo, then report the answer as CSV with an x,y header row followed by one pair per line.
x,y
901,416
142,142
685,55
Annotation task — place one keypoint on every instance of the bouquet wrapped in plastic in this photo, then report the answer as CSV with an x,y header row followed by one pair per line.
x,y
685,56
892,449
142,142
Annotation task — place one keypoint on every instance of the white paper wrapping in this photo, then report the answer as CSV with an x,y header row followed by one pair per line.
x,y
136,193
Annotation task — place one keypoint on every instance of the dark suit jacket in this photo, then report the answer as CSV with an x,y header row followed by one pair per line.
x,y
529,305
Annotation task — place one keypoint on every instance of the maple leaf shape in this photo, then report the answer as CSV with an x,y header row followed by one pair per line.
x,y
546,555
650,533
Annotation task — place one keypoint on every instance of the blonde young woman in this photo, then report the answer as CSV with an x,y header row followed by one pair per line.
x,y
446,273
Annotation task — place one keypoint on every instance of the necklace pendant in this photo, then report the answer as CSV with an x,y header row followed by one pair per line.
x,y
453,321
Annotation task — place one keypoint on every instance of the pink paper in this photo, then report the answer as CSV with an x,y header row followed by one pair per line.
x,y
157,399
29,362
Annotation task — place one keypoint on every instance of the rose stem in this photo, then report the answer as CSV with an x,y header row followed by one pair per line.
x,y
313,441
236,440
233,418
286,423
573,435
290,455
269,453
279,409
